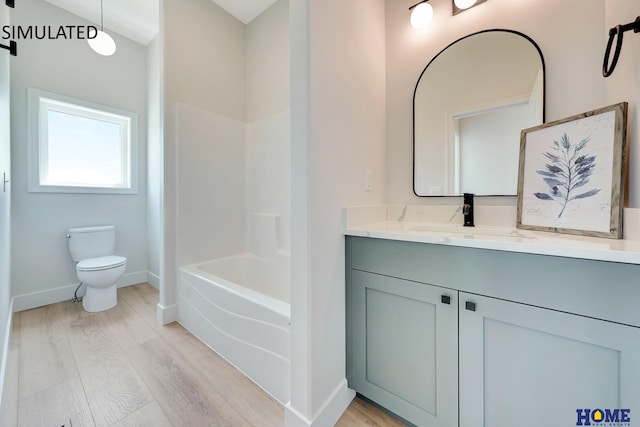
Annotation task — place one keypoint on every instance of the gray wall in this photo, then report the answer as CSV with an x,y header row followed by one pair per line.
x,y
41,265
5,213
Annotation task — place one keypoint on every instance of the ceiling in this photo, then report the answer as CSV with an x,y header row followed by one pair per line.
x,y
138,19
244,10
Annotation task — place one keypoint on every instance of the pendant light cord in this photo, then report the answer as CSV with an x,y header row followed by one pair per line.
x,y
101,17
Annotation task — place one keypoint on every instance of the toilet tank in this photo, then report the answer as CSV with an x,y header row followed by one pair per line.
x,y
91,242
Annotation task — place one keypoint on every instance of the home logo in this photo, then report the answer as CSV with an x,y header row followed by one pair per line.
x,y
604,417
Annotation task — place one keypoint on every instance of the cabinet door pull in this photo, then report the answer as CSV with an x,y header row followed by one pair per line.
x,y
469,305
446,299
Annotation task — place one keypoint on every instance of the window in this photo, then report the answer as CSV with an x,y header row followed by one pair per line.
x,y
80,147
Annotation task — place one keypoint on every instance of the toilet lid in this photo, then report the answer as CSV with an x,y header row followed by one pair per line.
x,y
101,263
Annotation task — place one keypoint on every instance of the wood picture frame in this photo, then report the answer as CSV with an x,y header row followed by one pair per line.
x,y
572,173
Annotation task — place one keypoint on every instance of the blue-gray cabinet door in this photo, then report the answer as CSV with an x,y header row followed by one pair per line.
x,y
526,366
405,343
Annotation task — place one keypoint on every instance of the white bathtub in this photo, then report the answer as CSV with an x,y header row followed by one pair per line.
x,y
239,306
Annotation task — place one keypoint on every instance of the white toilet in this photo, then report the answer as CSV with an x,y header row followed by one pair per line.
x,y
92,248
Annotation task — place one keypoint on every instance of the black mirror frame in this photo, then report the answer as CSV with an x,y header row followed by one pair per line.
x,y
544,106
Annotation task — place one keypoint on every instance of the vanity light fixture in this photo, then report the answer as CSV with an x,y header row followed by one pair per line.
x,y
103,43
459,6
421,14
464,4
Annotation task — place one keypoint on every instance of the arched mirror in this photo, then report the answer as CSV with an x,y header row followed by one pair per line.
x,y
469,106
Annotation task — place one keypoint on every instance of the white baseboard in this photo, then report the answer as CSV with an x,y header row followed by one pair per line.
x,y
5,355
64,293
153,279
132,279
328,414
166,315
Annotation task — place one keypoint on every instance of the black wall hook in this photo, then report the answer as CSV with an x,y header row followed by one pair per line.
x,y
618,30
12,48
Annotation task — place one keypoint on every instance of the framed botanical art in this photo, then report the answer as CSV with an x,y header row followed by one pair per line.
x,y
571,177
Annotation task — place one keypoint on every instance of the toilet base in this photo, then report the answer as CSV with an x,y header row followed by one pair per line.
x,y
100,299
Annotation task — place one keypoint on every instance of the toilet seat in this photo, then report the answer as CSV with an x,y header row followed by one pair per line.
x,y
101,263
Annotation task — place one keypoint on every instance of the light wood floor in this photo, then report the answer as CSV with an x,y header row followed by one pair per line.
x,y
120,368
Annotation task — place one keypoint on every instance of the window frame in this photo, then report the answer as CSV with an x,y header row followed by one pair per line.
x,y
40,103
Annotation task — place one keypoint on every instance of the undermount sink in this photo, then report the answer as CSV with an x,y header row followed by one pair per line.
x,y
478,230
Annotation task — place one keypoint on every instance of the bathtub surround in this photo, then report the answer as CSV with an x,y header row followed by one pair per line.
x,y
267,243
211,159
244,166
267,163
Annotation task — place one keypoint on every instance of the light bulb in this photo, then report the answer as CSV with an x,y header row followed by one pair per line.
x,y
464,4
103,44
421,16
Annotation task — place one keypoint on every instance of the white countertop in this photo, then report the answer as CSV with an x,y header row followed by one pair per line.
x,y
503,239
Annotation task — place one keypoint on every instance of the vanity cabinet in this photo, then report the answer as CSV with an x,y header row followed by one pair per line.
x,y
529,366
443,340
404,347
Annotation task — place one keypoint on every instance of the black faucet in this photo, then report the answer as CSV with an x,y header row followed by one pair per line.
x,y
467,210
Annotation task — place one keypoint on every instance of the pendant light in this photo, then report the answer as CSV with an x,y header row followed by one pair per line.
x,y
103,43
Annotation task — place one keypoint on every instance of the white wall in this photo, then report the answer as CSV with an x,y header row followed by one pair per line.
x,y
338,129
41,264
268,141
204,70
267,73
624,84
570,34
154,160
